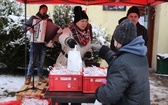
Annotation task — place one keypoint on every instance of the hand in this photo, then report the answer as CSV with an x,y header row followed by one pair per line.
x,y
104,81
96,46
30,29
50,44
71,42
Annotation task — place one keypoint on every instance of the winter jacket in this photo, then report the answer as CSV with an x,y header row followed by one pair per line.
x,y
62,58
141,30
127,76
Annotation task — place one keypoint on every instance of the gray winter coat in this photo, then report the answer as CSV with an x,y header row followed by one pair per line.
x,y
127,77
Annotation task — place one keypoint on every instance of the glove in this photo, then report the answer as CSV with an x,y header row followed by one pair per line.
x,y
96,47
88,54
71,42
104,81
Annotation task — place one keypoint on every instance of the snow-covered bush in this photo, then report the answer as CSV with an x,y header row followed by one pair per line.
x,y
99,37
12,46
63,15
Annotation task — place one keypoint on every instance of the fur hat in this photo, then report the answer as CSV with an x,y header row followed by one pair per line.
x,y
125,32
133,9
79,14
41,6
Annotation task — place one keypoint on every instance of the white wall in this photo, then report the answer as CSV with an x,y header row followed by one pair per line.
x,y
107,19
32,9
160,41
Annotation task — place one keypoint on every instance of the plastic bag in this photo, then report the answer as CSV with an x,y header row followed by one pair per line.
x,y
74,60
34,101
97,102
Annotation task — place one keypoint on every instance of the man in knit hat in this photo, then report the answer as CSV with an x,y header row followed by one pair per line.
x,y
127,81
133,14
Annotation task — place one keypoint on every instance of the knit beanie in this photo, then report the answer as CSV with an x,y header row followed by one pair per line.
x,y
41,6
79,14
133,9
125,32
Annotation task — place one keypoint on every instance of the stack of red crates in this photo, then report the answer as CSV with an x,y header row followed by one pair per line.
x,y
74,82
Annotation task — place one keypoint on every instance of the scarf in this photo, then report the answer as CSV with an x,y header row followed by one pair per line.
x,y
41,15
81,36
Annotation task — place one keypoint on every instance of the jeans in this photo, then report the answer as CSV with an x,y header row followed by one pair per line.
x,y
37,53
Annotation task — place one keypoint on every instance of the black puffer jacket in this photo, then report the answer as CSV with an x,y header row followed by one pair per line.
x,y
141,30
127,77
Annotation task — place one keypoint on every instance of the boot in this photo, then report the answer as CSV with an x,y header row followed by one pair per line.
x,y
27,81
41,79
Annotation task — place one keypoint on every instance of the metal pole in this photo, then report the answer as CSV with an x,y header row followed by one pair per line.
x,y
25,2
147,16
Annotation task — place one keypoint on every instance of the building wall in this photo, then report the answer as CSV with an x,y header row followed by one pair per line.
x,y
32,9
160,41
107,19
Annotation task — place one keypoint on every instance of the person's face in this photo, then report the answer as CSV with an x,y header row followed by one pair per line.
x,y
82,24
43,10
134,17
117,45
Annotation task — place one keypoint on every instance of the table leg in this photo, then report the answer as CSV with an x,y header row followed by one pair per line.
x,y
52,101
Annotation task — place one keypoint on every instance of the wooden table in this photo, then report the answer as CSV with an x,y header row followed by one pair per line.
x,y
69,97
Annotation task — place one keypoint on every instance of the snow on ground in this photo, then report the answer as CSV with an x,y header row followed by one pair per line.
x,y
9,84
159,93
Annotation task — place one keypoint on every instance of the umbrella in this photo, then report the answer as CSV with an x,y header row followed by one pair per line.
x,y
96,2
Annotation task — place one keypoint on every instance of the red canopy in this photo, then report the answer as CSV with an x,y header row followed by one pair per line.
x,y
96,2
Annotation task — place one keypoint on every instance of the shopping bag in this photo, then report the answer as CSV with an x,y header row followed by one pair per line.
x,y
97,102
74,60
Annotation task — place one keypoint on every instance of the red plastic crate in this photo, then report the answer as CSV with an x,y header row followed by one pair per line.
x,y
13,102
91,83
65,82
